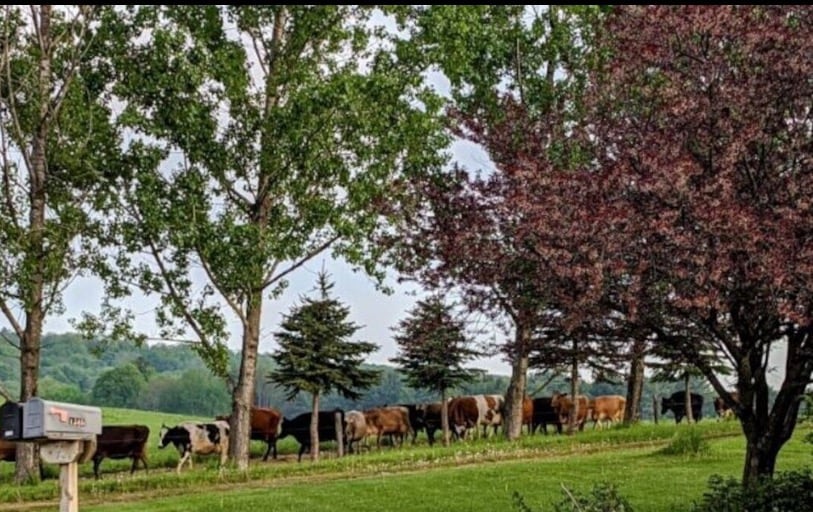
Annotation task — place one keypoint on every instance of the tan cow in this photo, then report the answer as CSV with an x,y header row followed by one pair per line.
x,y
563,405
355,430
609,408
392,420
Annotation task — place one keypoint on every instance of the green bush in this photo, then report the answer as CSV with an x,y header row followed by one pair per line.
x,y
786,492
687,441
603,497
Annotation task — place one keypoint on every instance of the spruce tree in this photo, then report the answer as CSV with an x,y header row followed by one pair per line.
x,y
316,354
433,349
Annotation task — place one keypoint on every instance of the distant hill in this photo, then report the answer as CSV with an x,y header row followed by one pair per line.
x,y
172,378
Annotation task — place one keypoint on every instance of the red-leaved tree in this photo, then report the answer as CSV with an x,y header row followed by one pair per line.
x,y
705,173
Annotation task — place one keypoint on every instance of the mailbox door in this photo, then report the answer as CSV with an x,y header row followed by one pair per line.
x,y
11,421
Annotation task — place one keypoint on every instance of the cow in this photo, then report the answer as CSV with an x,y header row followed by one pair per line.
x,y
528,413
608,408
300,428
563,405
544,414
416,419
266,424
355,430
724,412
431,413
393,421
196,438
469,412
8,451
677,404
121,442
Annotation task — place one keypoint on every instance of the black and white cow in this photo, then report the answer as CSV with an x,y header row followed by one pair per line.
x,y
196,438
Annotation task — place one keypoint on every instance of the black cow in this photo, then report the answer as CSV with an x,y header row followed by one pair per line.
x,y
121,442
416,419
544,415
431,419
300,428
677,404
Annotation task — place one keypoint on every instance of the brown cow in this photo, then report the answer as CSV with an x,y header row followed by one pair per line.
x,y
8,451
724,412
121,442
266,424
392,420
608,408
528,413
467,412
563,406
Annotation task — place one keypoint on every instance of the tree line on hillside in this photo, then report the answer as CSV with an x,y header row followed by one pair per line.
x,y
643,196
171,378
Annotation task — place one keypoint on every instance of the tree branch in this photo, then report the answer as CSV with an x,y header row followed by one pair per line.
x,y
271,279
18,330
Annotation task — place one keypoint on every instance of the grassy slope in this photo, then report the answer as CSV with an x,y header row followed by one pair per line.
x,y
473,476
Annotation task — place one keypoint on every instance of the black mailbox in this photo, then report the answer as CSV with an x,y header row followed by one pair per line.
x,y
11,421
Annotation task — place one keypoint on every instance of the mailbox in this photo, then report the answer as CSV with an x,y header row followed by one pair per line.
x,y
11,421
43,419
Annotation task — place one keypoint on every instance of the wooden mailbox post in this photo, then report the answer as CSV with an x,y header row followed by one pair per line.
x,y
65,432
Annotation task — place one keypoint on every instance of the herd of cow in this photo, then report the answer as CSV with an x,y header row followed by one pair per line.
x,y
473,415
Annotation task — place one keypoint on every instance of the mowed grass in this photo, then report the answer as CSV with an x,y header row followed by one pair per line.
x,y
474,475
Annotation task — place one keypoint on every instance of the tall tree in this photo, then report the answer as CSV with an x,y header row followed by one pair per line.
x,y
316,354
705,124
512,58
433,348
276,133
58,152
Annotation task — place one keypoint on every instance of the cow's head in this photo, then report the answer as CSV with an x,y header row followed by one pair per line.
x,y
666,404
284,428
163,441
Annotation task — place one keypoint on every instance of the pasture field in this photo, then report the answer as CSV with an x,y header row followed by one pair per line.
x,y
475,475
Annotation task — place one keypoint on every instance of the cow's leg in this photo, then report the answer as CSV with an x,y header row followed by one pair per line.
x,y
96,463
135,463
185,456
302,450
267,450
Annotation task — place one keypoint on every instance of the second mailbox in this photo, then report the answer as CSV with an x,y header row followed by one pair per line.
x,y
43,419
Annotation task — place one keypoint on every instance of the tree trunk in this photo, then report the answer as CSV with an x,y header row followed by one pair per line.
x,y
518,384
688,399
444,418
574,393
243,393
315,429
635,384
27,460
655,410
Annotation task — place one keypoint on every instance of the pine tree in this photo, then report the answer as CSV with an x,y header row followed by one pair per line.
x,y
316,354
433,348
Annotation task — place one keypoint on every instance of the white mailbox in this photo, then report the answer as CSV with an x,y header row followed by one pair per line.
x,y
43,419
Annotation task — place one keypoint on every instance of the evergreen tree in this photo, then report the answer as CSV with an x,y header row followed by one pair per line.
x,y
316,354
433,349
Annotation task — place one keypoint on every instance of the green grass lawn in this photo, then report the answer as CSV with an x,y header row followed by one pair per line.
x,y
475,475
650,481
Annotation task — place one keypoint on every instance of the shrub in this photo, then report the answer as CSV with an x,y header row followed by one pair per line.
x,y
603,497
786,492
688,441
